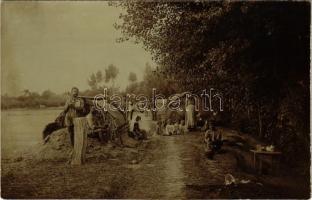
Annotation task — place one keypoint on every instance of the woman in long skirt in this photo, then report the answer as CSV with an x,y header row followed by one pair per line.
x,y
190,115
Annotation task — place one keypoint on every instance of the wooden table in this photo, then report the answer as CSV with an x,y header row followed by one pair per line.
x,y
272,154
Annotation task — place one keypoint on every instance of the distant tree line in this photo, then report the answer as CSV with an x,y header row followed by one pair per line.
x,y
152,78
97,82
33,100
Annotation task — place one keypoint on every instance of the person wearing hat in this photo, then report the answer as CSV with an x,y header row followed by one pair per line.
x,y
74,107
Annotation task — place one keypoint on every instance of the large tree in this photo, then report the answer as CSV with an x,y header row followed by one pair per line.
x,y
256,53
206,39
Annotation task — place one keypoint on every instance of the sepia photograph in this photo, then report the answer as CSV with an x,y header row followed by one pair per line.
x,y
159,99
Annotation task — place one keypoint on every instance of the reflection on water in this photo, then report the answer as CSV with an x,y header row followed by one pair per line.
x,y
21,129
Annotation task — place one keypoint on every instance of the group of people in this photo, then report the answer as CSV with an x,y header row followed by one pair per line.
x,y
98,127
132,107
75,107
170,127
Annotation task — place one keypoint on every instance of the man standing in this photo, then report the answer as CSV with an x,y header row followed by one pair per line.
x,y
74,107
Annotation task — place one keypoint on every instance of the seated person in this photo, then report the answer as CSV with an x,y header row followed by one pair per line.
x,y
183,128
169,130
199,121
96,125
213,141
177,130
138,133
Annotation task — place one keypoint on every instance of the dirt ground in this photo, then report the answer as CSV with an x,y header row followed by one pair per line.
x,y
161,167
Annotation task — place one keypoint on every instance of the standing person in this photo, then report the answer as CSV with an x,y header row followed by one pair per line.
x,y
190,115
74,107
154,111
146,109
130,110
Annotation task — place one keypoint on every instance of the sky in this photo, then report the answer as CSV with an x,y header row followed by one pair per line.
x,y
57,45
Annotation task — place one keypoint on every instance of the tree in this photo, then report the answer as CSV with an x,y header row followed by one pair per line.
x,y
92,82
256,53
111,73
204,39
132,77
26,93
99,76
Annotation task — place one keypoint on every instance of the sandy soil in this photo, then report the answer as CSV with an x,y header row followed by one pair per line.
x,y
161,167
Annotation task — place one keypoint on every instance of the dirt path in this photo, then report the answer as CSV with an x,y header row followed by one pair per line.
x,y
177,168
160,174
174,180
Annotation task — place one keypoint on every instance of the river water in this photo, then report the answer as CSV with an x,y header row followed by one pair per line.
x,y
21,129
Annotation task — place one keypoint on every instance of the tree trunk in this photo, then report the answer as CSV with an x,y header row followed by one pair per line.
x,y
260,121
248,112
80,141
